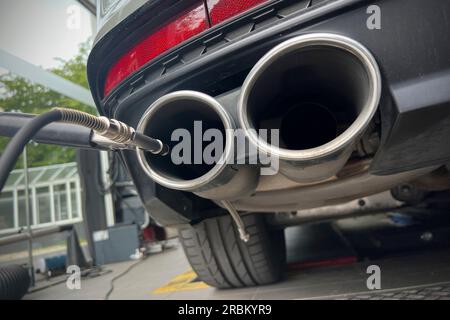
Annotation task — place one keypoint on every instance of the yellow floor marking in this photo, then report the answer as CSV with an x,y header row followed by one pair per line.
x,y
182,282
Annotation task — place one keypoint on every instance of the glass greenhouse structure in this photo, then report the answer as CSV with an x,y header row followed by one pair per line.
x,y
55,198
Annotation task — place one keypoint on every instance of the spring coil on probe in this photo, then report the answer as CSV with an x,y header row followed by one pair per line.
x,y
112,129
84,119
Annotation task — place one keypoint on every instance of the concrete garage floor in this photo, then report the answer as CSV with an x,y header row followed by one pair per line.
x,y
410,273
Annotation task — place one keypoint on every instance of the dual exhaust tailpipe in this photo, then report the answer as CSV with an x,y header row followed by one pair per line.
x,y
320,91
185,116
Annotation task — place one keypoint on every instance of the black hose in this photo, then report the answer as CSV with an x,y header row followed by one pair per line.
x,y
20,140
111,129
14,282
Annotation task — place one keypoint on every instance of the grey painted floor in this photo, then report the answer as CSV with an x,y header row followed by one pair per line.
x,y
432,268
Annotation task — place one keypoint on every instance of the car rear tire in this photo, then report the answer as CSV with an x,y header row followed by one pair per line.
x,y
222,260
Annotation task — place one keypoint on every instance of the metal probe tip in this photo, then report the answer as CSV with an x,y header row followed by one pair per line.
x,y
165,149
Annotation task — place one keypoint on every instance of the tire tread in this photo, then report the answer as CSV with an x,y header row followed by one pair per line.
x,y
222,260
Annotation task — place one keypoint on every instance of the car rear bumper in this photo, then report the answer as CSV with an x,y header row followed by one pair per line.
x,y
410,48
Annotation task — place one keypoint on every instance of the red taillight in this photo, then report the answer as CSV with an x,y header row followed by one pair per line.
x,y
221,10
185,26
168,36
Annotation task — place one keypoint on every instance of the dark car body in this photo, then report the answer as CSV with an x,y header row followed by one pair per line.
x,y
411,48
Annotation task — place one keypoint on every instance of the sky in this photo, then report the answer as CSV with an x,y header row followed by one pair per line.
x,y
39,31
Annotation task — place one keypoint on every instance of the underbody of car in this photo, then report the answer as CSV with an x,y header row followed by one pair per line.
x,y
360,109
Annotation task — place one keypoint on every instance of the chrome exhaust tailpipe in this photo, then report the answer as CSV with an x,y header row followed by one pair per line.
x,y
320,91
185,111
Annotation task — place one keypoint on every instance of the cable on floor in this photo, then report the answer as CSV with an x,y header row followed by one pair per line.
x,y
111,288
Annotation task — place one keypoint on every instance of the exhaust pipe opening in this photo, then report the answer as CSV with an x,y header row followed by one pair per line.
x,y
312,95
307,125
320,91
184,116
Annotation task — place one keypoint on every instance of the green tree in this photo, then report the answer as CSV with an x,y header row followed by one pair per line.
x,y
20,95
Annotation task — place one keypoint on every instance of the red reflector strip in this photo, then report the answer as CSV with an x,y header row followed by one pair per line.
x,y
170,35
323,263
221,10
